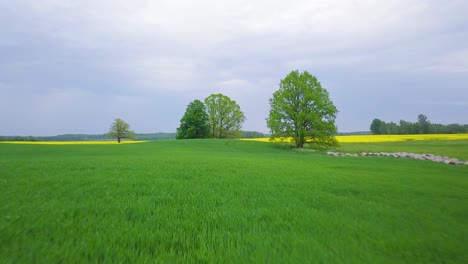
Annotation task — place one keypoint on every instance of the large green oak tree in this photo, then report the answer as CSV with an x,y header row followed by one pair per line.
x,y
302,109
224,115
194,123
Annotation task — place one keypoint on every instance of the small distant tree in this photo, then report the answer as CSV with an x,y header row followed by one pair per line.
x,y
120,129
392,128
405,127
302,109
424,124
225,116
376,126
194,123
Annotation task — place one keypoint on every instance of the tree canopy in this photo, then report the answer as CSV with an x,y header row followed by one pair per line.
x,y
194,123
120,130
377,126
302,109
224,116
424,124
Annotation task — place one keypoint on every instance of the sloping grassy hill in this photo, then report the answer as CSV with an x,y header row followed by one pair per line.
x,y
226,201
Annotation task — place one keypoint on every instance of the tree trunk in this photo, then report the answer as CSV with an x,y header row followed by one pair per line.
x,y
118,139
298,136
220,129
300,142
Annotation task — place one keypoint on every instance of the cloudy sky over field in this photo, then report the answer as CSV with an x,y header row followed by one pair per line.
x,y
74,66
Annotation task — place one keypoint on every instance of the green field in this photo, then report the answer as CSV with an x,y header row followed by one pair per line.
x,y
230,201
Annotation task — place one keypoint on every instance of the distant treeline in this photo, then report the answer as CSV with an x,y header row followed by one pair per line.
x,y
254,134
87,137
353,133
19,138
94,137
75,137
422,126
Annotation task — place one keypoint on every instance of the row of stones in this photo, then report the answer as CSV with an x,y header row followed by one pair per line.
x,y
431,157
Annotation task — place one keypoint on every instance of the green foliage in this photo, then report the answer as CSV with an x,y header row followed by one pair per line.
x,y
225,116
253,134
302,109
391,128
379,127
423,126
376,126
155,136
120,130
194,123
218,201
19,138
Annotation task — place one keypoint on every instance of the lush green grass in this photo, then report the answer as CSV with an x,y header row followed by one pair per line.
x,y
452,148
226,201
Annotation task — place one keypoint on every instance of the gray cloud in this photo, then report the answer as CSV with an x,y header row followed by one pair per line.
x,y
79,64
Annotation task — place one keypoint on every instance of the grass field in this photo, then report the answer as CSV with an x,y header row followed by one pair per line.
x,y
230,201
95,142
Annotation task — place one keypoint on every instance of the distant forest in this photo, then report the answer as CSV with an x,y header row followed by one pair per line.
x,y
93,137
422,126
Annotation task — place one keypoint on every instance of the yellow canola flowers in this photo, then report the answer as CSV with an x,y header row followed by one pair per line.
x,y
71,142
379,138
393,138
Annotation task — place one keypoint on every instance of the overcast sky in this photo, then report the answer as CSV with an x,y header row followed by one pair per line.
x,y
75,66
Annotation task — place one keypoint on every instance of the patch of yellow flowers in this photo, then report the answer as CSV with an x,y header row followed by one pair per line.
x,y
72,142
379,138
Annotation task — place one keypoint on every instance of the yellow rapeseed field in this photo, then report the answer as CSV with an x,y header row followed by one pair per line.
x,y
71,142
392,138
380,138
